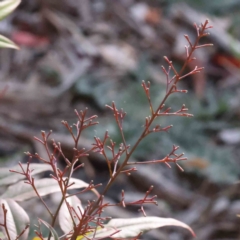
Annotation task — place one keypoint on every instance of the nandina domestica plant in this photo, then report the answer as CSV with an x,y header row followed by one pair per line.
x,y
86,222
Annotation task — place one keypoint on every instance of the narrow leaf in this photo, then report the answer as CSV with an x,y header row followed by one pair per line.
x,y
7,177
7,43
17,219
51,229
38,238
128,228
22,191
7,6
65,219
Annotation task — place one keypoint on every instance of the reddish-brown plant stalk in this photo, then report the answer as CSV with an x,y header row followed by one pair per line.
x,y
94,209
119,116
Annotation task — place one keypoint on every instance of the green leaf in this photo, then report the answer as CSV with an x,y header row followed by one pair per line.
x,y
51,229
17,219
132,227
7,177
64,217
7,43
7,6
22,191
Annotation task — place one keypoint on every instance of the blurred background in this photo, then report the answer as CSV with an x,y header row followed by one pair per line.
x,y
78,54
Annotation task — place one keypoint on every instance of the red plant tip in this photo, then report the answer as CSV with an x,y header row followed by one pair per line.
x,y
43,134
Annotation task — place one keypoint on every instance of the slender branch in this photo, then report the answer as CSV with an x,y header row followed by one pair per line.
x,y
4,224
155,114
80,127
23,231
93,208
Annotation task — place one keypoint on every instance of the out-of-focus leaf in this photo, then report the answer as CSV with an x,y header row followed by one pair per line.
x,y
7,43
64,217
122,56
17,219
51,229
22,191
7,6
100,92
7,177
128,228
28,39
230,136
213,7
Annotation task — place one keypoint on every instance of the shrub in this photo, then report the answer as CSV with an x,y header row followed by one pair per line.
x,y
86,222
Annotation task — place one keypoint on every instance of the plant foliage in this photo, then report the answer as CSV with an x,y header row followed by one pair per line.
x,y
76,220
